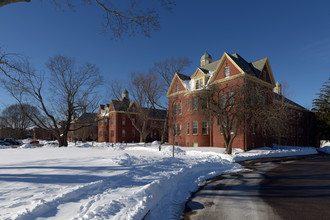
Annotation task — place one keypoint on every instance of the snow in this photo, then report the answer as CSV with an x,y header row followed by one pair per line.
x,y
105,181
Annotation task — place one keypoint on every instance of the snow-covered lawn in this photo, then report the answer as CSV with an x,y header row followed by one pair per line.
x,y
110,182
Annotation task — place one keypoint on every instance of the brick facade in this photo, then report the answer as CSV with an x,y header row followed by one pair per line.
x,y
115,122
188,127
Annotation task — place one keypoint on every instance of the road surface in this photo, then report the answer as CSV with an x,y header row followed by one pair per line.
x,y
298,189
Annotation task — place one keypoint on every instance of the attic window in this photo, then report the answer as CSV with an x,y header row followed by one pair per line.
x,y
199,83
227,71
177,87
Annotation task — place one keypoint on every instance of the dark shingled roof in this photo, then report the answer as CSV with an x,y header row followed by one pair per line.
x,y
121,105
183,77
86,118
243,64
157,114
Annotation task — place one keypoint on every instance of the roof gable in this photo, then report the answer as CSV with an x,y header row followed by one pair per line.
x,y
177,80
224,58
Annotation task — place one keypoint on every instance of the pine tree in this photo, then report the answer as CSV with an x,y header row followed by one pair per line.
x,y
321,107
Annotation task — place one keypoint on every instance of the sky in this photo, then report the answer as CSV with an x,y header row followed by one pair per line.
x,y
294,35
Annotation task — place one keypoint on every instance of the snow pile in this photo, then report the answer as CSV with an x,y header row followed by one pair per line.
x,y
325,149
267,152
102,181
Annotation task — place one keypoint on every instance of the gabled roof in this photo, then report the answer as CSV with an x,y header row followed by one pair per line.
x,y
86,117
211,66
120,105
259,65
243,64
183,77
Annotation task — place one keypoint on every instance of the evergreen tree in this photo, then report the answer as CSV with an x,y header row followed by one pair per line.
x,y
321,107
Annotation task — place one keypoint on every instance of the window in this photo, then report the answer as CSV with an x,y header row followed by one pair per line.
x,y
195,102
187,144
223,100
112,133
197,84
175,109
105,133
133,133
188,103
188,127
123,133
195,127
204,127
106,121
180,108
177,87
179,129
174,130
231,98
227,71
112,120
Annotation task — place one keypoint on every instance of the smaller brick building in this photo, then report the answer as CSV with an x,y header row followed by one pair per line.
x,y
115,121
86,125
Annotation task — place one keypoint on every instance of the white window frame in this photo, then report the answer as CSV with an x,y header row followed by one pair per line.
x,y
193,128
227,71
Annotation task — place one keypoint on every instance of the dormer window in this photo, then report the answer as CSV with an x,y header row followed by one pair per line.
x,y
177,87
199,83
227,71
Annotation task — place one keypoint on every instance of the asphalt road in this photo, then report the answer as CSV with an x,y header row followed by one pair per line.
x,y
298,189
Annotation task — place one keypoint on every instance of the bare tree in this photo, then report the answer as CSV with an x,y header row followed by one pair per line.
x,y
131,19
236,108
162,74
167,68
14,119
59,95
275,118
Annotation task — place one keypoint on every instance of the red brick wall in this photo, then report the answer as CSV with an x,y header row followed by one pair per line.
x,y
233,70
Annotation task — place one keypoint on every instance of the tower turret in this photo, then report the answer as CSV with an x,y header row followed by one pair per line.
x,y
206,59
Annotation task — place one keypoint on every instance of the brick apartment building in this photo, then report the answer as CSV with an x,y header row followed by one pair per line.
x,y
86,125
192,130
115,122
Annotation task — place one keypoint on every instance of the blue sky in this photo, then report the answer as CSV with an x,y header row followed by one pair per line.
x,y
294,35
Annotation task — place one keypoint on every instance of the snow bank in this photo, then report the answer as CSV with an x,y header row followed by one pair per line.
x,y
102,181
267,152
325,149
112,181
